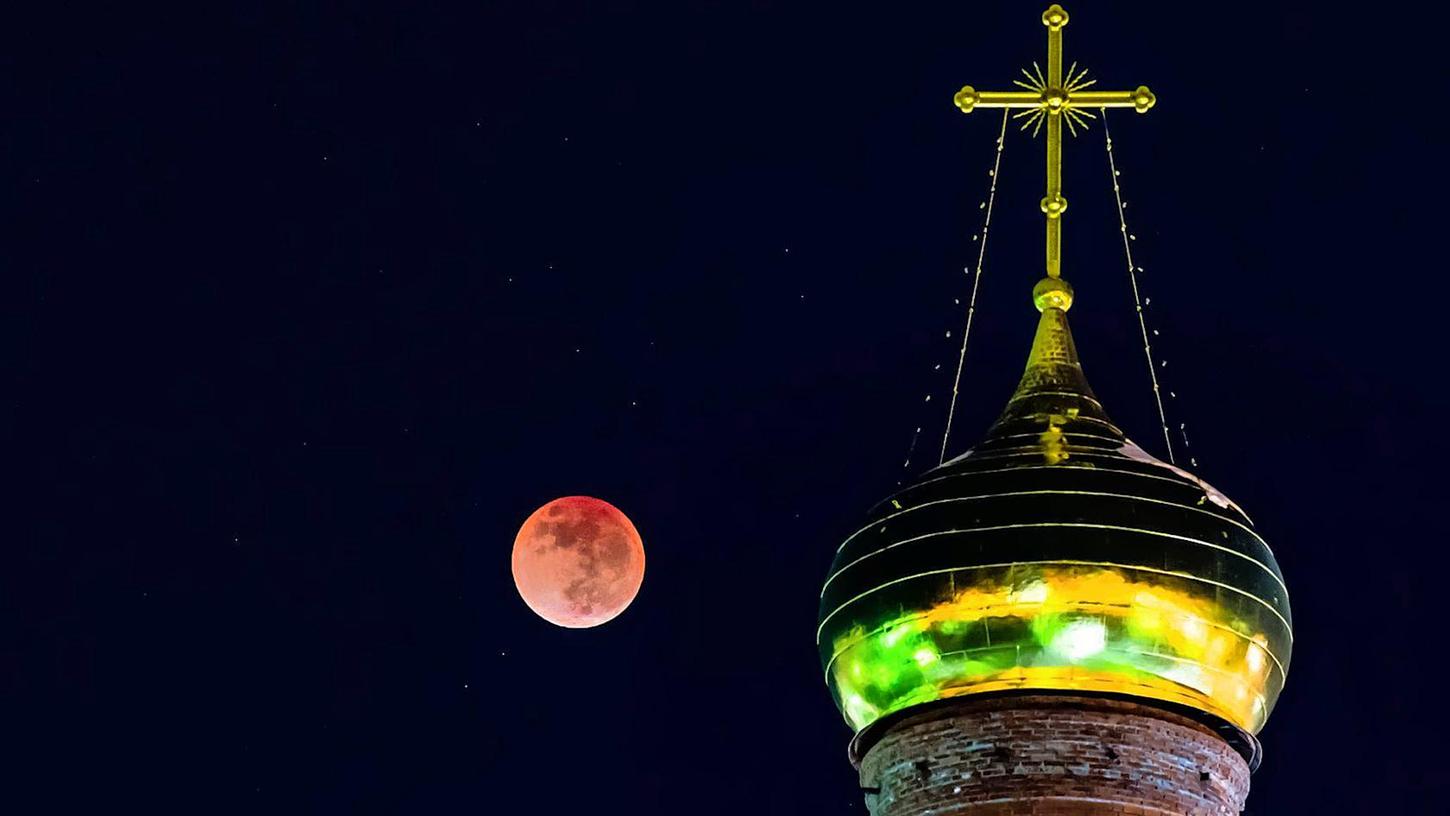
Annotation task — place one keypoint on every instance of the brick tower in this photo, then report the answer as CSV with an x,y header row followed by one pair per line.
x,y
1055,621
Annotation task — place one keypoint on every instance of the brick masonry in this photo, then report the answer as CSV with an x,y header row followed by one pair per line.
x,y
1075,756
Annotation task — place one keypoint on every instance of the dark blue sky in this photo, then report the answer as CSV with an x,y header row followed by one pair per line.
x,y
306,309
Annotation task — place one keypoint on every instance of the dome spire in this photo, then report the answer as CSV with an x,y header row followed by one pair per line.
x,y
1053,393
1053,381
1053,401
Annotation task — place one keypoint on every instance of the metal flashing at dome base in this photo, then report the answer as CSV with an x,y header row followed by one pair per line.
x,y
1056,556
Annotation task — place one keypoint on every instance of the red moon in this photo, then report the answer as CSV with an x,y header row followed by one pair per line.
x,y
578,562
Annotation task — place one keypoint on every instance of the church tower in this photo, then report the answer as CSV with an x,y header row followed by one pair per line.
x,y
1055,621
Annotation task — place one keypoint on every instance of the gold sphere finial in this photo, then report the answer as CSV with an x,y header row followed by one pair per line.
x,y
1052,293
1143,99
1054,205
1055,17
966,98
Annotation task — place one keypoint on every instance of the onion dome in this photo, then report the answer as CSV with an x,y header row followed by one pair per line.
x,y
1056,555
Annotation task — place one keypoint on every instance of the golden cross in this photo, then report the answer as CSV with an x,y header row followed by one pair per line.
x,y
1055,100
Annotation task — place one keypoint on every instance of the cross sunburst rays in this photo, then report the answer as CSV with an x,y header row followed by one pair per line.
x,y
1076,81
1037,84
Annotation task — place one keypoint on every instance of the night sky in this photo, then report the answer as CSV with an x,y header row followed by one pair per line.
x,y
307,307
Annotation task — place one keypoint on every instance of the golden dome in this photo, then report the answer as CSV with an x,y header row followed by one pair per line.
x,y
1056,555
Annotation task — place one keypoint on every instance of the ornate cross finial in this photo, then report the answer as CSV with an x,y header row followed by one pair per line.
x,y
1055,100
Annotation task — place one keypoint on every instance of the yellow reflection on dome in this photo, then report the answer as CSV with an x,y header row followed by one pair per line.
x,y
1062,627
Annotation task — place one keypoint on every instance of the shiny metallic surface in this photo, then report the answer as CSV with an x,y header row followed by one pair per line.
x,y
1056,555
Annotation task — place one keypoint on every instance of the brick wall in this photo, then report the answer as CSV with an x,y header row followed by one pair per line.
x,y
1051,754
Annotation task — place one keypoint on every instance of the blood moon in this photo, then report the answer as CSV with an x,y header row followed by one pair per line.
x,y
578,562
